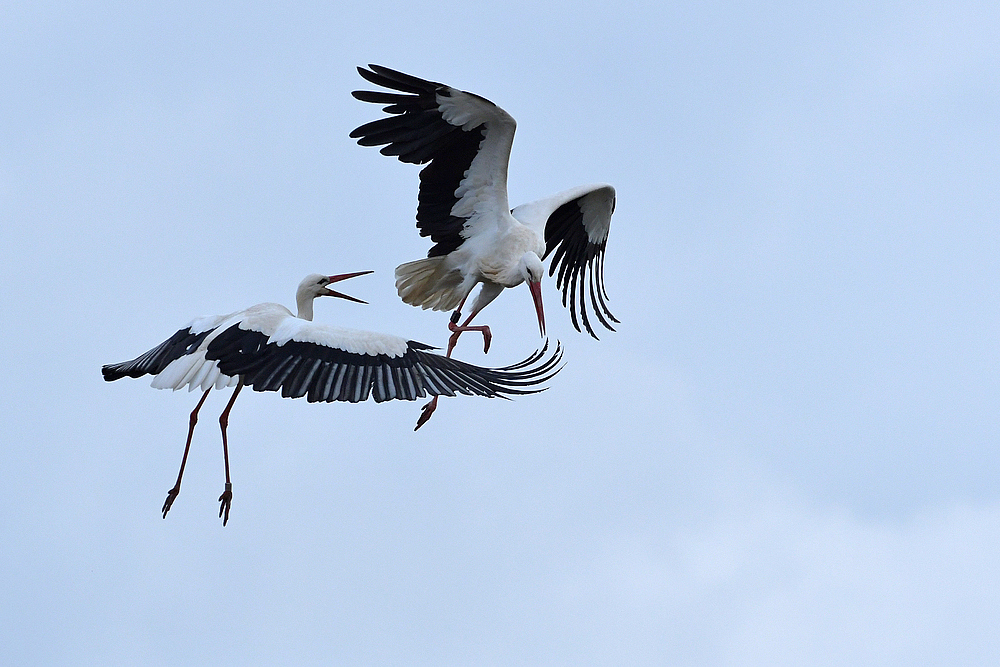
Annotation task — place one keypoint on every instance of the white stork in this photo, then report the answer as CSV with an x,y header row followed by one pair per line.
x,y
463,207
269,349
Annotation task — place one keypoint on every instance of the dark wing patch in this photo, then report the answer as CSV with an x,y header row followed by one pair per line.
x,y
580,263
438,183
322,373
153,362
416,133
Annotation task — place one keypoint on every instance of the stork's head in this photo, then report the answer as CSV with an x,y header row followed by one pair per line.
x,y
315,284
532,270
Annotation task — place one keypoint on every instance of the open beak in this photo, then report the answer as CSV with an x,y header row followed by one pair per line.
x,y
345,276
536,296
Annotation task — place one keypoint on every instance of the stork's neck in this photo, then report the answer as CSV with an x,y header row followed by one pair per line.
x,y
514,273
305,306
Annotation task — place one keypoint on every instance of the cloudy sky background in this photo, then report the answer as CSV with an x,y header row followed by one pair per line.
x,y
786,455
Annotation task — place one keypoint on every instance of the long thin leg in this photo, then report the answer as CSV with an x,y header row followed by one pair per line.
x,y
487,293
172,493
426,412
457,330
455,317
431,406
226,498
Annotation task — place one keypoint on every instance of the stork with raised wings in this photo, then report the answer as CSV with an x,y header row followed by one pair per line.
x,y
463,207
268,348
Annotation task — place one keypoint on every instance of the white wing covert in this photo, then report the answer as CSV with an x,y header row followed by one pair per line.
x,y
185,342
466,140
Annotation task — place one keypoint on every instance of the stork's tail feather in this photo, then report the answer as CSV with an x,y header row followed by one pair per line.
x,y
429,283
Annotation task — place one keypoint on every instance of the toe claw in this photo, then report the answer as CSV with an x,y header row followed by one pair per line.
x,y
171,496
225,501
426,412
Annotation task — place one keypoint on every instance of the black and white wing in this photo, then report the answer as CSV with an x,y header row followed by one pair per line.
x,y
465,138
325,363
575,225
184,343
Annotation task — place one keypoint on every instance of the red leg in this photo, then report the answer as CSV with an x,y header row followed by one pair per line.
x,y
227,496
457,331
172,493
426,412
431,406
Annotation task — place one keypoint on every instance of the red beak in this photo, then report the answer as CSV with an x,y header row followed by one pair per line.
x,y
345,276
536,296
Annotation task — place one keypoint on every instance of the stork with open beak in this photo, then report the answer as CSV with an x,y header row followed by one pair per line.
x,y
268,348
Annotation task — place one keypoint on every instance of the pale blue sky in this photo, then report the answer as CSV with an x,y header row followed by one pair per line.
x,y
786,455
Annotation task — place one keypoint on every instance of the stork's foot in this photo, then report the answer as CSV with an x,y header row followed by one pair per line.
x,y
457,331
171,496
426,412
226,500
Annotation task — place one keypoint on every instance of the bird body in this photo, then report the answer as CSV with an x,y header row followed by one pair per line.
x,y
268,348
275,322
496,260
465,141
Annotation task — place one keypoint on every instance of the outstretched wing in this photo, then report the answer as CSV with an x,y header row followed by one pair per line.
x,y
182,343
575,225
326,363
465,138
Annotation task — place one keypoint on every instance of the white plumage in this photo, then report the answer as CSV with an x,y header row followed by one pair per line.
x,y
353,341
465,140
268,348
